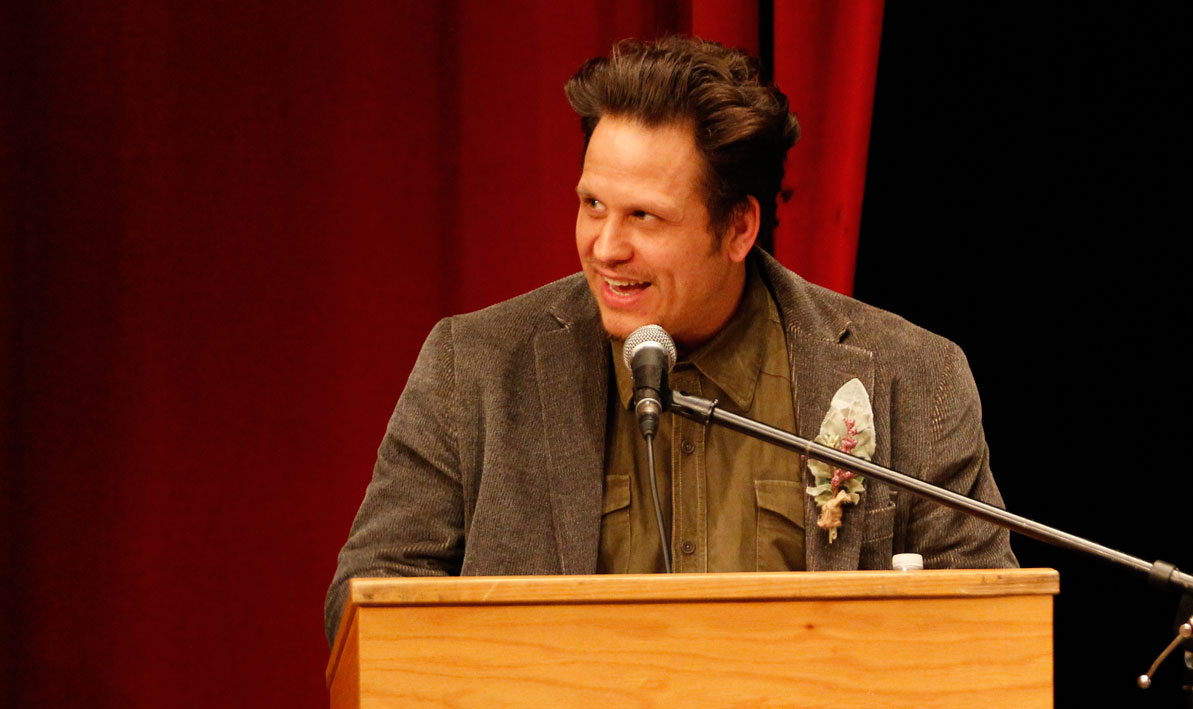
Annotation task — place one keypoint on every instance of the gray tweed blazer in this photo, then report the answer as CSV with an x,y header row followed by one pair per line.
x,y
494,458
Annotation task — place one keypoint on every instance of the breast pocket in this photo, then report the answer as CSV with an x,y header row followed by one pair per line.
x,y
614,557
780,525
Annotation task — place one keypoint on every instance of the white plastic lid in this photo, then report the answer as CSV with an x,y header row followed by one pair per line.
x,y
907,562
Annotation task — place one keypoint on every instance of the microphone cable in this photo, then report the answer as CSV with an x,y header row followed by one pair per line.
x,y
658,508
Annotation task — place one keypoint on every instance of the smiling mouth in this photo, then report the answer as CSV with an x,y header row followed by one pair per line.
x,y
625,288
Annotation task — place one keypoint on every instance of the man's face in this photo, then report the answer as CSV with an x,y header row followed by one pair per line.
x,y
643,234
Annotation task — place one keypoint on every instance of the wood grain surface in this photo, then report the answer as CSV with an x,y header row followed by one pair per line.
x,y
836,639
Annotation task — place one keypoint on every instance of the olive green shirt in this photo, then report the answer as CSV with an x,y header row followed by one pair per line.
x,y
731,503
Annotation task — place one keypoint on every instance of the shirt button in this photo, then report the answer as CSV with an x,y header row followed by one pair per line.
x,y
688,548
687,446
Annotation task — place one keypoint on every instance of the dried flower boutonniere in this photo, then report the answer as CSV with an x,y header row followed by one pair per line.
x,y
848,426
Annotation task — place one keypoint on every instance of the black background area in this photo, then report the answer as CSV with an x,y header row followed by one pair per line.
x,y
1028,196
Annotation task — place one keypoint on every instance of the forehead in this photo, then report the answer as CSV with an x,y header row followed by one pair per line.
x,y
630,157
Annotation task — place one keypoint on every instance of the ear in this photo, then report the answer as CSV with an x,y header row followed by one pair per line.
x,y
743,230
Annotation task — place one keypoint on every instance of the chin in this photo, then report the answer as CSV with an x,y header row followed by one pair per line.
x,y
619,328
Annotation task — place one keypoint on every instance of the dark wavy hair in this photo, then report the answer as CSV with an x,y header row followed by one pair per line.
x,y
743,128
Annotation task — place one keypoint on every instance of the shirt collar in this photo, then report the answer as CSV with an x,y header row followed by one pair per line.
x,y
733,358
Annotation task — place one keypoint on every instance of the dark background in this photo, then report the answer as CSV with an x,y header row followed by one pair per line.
x,y
1028,196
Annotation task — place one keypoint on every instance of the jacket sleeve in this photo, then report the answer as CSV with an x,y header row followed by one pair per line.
x,y
959,460
411,522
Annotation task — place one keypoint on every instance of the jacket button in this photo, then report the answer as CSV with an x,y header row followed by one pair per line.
x,y
687,446
688,548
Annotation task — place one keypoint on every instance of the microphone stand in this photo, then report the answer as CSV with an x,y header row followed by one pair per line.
x,y
704,411
1160,574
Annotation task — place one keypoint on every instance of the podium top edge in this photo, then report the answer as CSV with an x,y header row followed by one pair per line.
x,y
655,588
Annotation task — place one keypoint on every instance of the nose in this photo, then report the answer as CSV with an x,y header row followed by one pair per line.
x,y
612,243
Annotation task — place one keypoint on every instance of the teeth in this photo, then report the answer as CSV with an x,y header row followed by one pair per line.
x,y
622,284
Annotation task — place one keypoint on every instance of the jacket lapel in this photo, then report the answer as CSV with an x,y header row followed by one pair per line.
x,y
572,361
821,362
820,368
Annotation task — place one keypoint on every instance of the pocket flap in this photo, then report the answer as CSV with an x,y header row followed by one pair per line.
x,y
783,497
617,493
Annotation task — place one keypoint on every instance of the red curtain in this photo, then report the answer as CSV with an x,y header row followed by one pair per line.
x,y
826,61
227,228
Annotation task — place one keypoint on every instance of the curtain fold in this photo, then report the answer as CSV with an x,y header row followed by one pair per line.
x,y
826,61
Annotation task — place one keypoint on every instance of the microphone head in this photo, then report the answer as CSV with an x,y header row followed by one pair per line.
x,y
649,336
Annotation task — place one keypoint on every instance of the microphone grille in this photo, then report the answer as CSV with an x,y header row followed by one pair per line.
x,y
645,334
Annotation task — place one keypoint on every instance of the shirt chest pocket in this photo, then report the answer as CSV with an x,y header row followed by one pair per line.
x,y
779,534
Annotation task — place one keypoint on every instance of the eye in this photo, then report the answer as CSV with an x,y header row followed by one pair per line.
x,y
644,215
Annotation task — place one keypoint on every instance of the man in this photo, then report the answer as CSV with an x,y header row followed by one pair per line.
x,y
514,450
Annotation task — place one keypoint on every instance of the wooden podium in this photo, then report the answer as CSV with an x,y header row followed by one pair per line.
x,y
958,638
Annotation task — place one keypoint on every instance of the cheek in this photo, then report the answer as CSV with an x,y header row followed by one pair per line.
x,y
670,265
689,281
585,234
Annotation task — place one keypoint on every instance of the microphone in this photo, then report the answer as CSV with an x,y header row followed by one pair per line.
x,y
649,353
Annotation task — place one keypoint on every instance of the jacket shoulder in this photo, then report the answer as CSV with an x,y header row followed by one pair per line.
x,y
828,315
553,305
